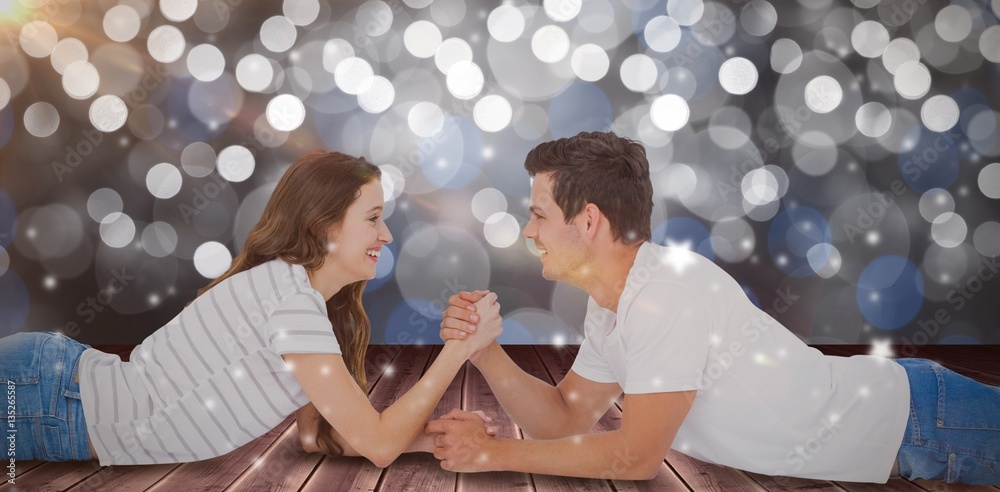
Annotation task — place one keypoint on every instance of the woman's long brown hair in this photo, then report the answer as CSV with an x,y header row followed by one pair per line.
x,y
312,196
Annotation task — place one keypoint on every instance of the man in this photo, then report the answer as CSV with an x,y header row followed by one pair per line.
x,y
703,370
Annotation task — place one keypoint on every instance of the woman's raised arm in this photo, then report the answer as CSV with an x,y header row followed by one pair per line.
x,y
382,437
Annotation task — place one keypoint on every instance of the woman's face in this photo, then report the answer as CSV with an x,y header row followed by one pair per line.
x,y
355,247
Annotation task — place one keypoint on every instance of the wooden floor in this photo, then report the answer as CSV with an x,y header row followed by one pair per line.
x,y
276,461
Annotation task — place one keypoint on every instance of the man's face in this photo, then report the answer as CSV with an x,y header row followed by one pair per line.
x,y
563,252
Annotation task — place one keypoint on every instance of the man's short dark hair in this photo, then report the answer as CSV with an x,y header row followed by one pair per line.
x,y
604,169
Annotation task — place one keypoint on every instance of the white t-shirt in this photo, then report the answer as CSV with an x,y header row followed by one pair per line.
x,y
212,379
767,402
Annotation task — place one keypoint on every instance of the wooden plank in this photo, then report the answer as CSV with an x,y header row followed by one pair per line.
x,y
131,477
476,395
770,482
937,485
421,471
894,484
558,361
527,359
52,476
285,466
23,466
700,475
355,473
220,472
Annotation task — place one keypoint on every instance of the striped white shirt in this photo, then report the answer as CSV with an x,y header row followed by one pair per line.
x,y
212,379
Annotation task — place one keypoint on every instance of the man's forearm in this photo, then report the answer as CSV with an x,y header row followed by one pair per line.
x,y
604,455
535,406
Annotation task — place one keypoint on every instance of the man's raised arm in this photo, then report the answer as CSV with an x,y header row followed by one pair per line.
x,y
543,411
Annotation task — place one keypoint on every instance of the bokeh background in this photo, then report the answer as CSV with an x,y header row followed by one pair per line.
x,y
839,159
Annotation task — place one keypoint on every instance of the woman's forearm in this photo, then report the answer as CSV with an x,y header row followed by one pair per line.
x,y
401,423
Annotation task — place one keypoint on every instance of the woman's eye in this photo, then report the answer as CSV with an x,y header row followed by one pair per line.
x,y
373,219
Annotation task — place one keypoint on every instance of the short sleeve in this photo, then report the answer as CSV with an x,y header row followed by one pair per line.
x,y
666,339
590,362
300,325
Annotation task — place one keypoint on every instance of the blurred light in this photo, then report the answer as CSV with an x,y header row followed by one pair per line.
x,y
898,52
638,72
738,75
108,113
989,44
662,34
501,230
121,23
824,259
953,23
4,95
550,44
254,73
987,239
102,203
488,202
166,44
301,12
685,12
38,39
335,51
989,180
376,94
425,119
590,62
198,159
890,292
117,230
285,112
823,94
786,56
278,34
422,39
67,51
669,112
163,180
758,18
492,113
451,51
949,229
870,39
562,10
178,10
159,239
912,80
41,119
934,202
374,17
939,113
235,163
733,239
505,23
350,73
4,261
212,259
80,80
873,119
205,62
465,80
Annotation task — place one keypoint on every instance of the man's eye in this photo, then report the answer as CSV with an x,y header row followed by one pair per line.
x,y
373,219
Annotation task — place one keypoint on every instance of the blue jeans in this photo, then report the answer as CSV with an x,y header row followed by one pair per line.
x,y
953,431
42,399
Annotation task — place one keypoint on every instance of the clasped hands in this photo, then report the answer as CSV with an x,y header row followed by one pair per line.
x,y
462,440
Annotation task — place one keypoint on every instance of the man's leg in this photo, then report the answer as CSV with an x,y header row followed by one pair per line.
x,y
953,431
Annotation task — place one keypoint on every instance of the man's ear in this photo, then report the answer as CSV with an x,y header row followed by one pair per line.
x,y
592,218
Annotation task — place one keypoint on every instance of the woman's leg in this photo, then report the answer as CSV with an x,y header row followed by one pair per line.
x,y
43,401
953,431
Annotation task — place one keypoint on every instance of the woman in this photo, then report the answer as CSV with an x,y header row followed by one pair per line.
x,y
282,331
